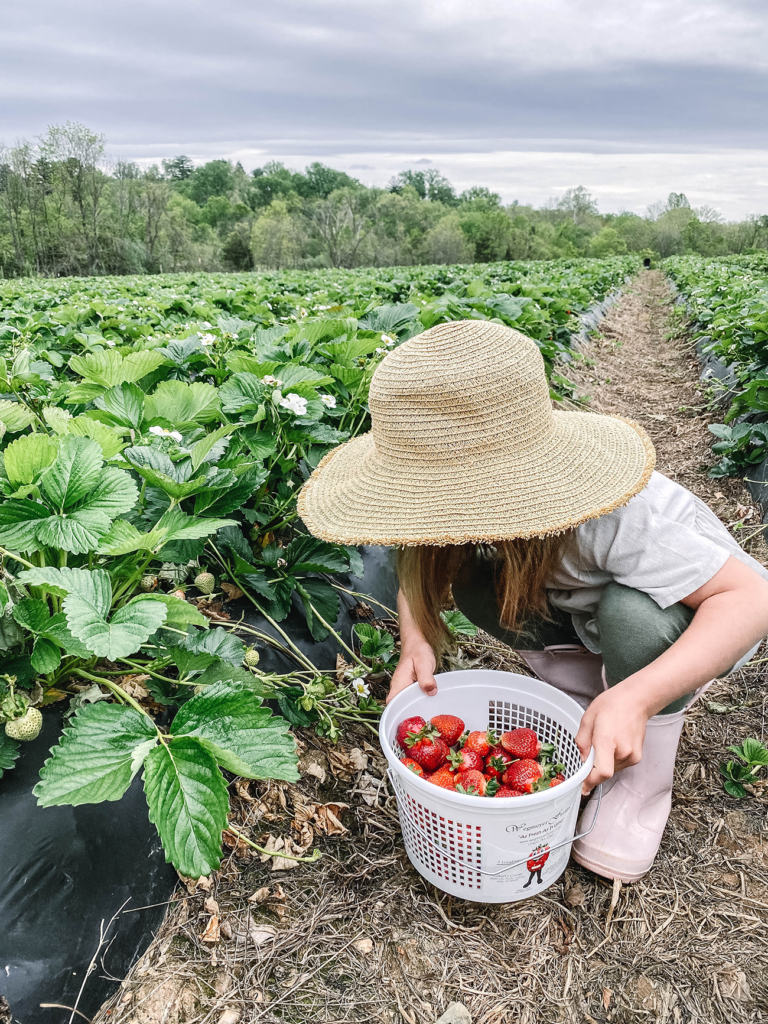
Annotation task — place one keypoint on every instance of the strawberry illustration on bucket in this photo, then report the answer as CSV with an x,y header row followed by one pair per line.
x,y
538,859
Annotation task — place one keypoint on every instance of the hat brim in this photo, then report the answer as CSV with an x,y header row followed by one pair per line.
x,y
591,465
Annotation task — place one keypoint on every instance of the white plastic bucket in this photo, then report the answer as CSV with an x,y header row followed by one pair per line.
x,y
474,847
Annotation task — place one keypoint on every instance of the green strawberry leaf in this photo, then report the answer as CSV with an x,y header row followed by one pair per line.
x,y
243,736
308,554
222,672
46,656
15,417
458,624
124,404
106,438
78,531
27,456
180,613
324,599
180,526
122,538
734,789
94,760
9,751
19,520
75,472
188,804
130,626
217,642
182,403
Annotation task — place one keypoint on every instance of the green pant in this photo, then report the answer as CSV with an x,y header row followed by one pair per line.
x,y
634,631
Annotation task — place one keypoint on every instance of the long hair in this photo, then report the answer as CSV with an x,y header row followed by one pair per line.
x,y
522,570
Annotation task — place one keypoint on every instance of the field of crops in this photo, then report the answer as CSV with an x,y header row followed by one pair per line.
x,y
727,300
155,431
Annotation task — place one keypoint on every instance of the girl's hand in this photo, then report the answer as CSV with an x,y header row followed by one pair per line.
x,y
417,662
614,724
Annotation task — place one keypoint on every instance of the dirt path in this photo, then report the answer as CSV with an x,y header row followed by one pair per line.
x,y
640,372
361,937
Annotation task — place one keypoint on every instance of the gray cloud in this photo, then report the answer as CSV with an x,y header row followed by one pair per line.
x,y
331,78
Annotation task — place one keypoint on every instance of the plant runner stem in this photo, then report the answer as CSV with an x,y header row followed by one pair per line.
x,y
333,631
316,854
17,558
298,654
117,690
367,597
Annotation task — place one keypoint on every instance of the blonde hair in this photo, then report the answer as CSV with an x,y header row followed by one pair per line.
x,y
522,569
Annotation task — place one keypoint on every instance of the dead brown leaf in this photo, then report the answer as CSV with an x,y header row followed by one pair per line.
x,y
212,933
134,685
344,763
242,787
315,770
362,610
260,895
233,842
193,884
233,593
211,906
733,984
575,896
341,668
607,996
328,819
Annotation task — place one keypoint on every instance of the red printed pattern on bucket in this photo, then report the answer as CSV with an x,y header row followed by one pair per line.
x,y
444,752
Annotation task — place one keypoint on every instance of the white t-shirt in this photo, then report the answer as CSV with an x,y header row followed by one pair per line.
x,y
665,542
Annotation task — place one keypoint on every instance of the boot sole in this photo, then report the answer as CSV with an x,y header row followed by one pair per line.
x,y
608,872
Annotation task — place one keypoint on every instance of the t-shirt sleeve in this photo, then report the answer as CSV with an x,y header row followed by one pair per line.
x,y
643,549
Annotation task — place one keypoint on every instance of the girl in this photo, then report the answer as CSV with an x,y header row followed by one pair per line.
x,y
551,531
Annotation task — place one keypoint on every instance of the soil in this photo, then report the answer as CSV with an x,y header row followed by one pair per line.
x,y
360,937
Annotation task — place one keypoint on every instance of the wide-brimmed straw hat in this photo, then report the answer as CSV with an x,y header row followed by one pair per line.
x,y
466,448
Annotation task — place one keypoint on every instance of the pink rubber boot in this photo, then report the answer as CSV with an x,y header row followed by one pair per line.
x,y
635,806
570,668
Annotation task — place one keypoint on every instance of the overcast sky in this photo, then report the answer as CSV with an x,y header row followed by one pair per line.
x,y
632,98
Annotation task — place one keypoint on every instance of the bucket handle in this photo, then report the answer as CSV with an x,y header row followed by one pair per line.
x,y
507,867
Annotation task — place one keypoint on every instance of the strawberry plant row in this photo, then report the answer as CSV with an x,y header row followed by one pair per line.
x,y
727,302
154,434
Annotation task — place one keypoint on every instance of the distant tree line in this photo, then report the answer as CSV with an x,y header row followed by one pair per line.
x,y
65,209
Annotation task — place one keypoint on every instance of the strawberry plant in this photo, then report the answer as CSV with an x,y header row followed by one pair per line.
x,y
751,757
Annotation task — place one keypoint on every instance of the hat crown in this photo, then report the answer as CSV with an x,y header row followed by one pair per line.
x,y
460,389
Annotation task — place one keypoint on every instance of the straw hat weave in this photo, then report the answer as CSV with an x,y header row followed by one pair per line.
x,y
466,448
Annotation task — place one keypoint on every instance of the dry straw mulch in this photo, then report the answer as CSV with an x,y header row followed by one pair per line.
x,y
361,937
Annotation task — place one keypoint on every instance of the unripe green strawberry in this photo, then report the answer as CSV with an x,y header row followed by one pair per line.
x,y
251,657
25,728
148,583
205,582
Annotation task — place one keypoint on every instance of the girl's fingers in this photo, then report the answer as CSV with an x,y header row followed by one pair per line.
x,y
424,667
601,770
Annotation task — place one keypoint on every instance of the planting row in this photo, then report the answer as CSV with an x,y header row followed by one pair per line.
x,y
727,302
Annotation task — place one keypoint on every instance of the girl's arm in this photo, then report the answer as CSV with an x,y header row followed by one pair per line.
x,y
731,616
417,659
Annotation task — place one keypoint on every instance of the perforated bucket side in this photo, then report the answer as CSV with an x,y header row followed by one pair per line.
x,y
472,846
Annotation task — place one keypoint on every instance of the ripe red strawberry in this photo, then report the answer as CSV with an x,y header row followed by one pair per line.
x,y
557,780
473,783
522,743
409,725
465,760
506,791
443,777
413,765
497,762
427,750
523,775
480,742
449,726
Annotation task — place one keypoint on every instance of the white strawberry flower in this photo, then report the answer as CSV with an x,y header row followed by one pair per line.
x,y
162,432
388,341
273,382
328,400
207,339
109,343
361,688
380,350
295,404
